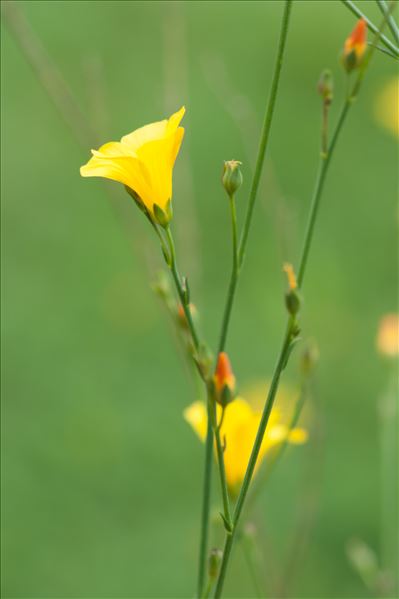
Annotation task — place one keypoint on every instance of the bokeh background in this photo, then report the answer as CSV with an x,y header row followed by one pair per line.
x,y
101,475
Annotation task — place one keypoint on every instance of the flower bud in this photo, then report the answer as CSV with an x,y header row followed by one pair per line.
x,y
292,296
325,86
215,558
355,46
232,176
224,380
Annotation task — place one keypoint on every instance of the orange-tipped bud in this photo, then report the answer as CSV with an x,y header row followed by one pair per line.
x,y
289,270
355,46
224,380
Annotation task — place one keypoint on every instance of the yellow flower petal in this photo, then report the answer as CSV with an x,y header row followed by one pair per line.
x,y
124,169
142,160
238,430
197,417
386,107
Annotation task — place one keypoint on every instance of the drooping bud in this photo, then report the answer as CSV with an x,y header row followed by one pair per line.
x,y
292,298
232,176
355,46
325,86
215,558
224,380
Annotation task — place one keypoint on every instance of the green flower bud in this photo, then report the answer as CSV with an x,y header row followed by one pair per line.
x,y
325,86
293,301
232,176
215,558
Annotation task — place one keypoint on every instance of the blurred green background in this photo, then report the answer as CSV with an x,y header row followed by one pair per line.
x,y
101,475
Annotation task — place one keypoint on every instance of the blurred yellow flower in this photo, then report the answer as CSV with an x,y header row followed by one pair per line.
x,y
142,160
239,427
387,106
388,335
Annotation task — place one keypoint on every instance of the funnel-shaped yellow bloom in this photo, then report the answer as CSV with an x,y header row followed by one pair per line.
x,y
142,160
239,427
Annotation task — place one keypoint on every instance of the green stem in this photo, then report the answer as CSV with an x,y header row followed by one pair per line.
x,y
323,168
266,128
290,332
356,11
179,288
294,421
206,501
264,139
208,589
222,470
205,506
233,279
390,20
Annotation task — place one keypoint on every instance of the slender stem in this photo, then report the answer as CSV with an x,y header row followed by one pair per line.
x,y
233,279
266,128
254,455
390,19
207,482
294,421
205,506
208,589
264,139
323,168
179,288
222,470
290,332
356,11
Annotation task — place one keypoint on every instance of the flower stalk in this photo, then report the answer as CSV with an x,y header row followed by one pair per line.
x,y
291,332
263,144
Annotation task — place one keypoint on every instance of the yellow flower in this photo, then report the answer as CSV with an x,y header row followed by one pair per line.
x,y
239,427
387,106
388,335
142,160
